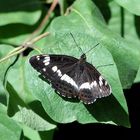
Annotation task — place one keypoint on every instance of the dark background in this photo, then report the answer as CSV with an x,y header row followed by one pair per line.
x,y
106,131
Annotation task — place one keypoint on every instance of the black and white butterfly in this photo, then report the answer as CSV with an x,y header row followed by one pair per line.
x,y
72,77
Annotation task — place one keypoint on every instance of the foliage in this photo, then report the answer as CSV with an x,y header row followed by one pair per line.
x,y
28,104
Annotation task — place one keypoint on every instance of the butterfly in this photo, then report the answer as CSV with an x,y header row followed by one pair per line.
x,y
72,77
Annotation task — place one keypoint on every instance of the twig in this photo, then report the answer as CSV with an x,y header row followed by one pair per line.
x,y
29,41
23,47
53,5
39,37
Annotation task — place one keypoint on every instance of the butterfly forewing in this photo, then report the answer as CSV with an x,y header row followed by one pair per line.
x,y
72,77
55,68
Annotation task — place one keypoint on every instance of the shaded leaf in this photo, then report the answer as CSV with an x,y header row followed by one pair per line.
x,y
30,133
131,6
14,100
3,109
19,18
137,79
2,94
81,23
9,129
89,21
32,120
19,82
115,23
4,67
35,135
20,11
63,110
123,22
128,26
4,50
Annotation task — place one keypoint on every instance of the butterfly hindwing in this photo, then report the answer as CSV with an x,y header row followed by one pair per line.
x,y
72,77
93,86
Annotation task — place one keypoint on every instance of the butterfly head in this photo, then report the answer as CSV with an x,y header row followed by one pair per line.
x,y
83,57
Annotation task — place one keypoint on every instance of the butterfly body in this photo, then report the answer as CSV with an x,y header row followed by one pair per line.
x,y
72,77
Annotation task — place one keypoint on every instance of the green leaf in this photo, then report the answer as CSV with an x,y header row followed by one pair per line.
x,y
32,120
20,11
3,109
14,100
30,133
2,94
65,111
118,47
35,135
4,67
90,21
88,28
123,21
4,50
8,127
19,95
128,26
19,18
131,6
115,23
137,79
18,83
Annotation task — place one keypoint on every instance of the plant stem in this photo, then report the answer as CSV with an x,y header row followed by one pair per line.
x,y
23,47
53,5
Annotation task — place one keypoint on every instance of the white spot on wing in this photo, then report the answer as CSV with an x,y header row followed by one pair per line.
x,y
46,63
100,78
46,60
93,84
110,90
54,68
69,80
105,83
100,90
38,57
100,81
69,96
44,69
59,73
64,77
63,95
85,86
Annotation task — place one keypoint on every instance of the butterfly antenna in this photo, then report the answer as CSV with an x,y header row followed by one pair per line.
x,y
92,48
104,65
76,42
